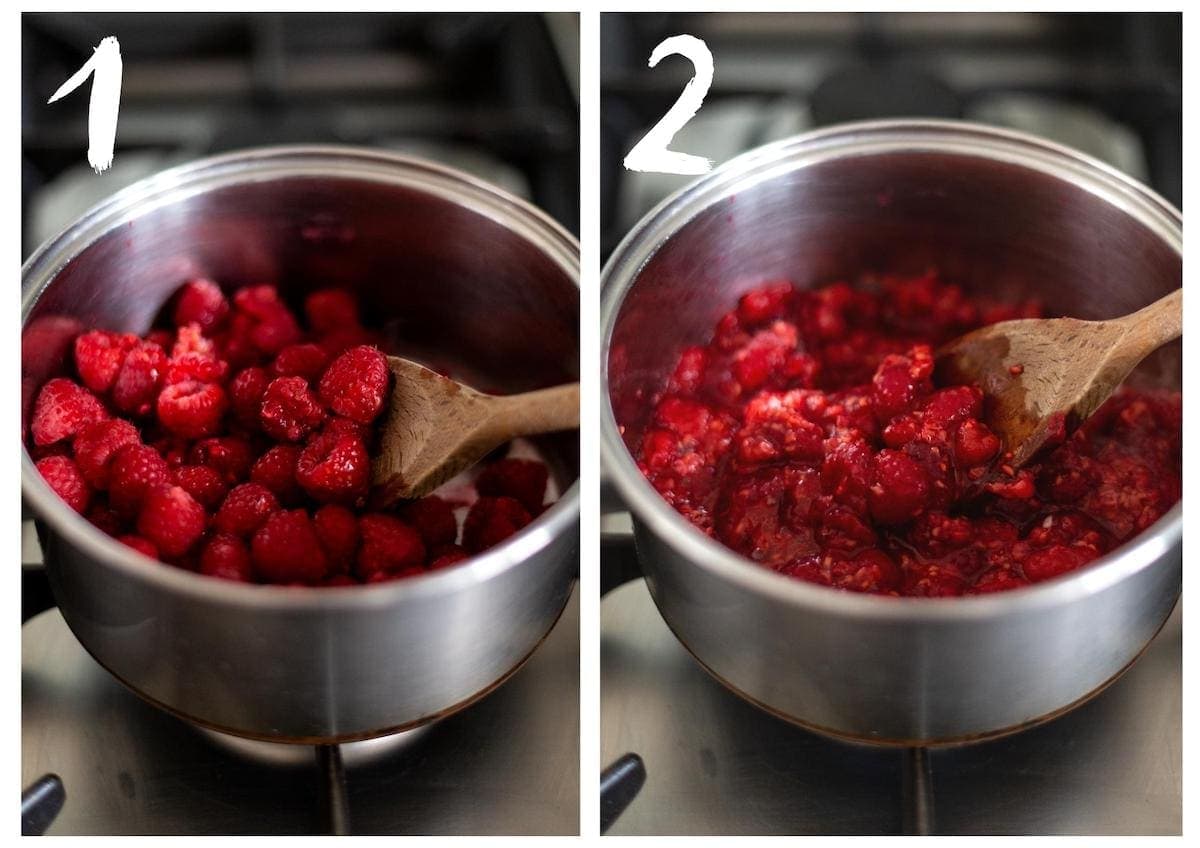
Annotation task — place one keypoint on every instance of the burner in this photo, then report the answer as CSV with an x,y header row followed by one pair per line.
x,y
717,765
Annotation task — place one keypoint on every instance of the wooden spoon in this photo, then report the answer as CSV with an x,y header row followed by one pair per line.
x,y
1045,377
436,428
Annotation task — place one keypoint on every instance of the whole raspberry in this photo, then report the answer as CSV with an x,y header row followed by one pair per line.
x,y
99,355
334,469
64,477
447,556
136,386
331,310
171,519
201,302
434,520
134,469
227,557
300,360
190,340
339,426
192,409
286,549
203,483
337,528
98,443
163,338
290,410
523,479
195,366
356,383
245,395
106,518
244,509
230,455
63,408
340,341
143,546
276,469
388,545
273,326
492,520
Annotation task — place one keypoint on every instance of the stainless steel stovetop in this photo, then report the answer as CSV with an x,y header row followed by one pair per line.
x,y
508,764
717,765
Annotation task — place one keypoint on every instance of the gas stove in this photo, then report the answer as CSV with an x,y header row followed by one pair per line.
x,y
714,764
508,764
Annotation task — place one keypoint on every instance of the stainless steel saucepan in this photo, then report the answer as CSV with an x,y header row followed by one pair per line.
x,y
1006,215
462,274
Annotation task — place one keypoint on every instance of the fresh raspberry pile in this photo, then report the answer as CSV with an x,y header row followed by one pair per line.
x,y
809,435
237,444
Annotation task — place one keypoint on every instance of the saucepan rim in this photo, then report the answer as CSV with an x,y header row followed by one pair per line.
x,y
652,513
295,162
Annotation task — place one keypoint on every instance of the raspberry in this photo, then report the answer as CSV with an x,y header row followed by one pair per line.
x,y
134,469
191,341
340,426
334,469
98,443
136,386
523,479
331,310
64,477
339,580
300,360
229,455
286,549
389,546
227,557
337,528
195,366
105,518
355,384
447,556
99,355
339,342
245,395
201,302
192,409
63,408
434,520
290,410
492,520
244,509
899,489
203,483
272,326
163,338
139,544
765,304
276,469
171,519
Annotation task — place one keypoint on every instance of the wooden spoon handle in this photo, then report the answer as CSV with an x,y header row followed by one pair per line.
x,y
542,411
1153,326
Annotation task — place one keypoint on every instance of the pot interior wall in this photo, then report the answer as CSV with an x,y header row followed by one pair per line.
x,y
448,284
1000,230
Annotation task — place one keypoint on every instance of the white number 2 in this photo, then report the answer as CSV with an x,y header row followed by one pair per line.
x,y
651,153
105,68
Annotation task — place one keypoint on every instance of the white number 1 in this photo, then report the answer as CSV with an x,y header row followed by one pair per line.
x,y
651,153
105,69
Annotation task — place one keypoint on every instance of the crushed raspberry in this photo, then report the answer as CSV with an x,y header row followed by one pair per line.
x,y
97,444
135,469
492,520
65,478
286,549
63,408
99,356
227,557
810,435
290,410
523,479
192,409
244,509
334,468
434,519
233,442
388,546
171,519
201,302
355,384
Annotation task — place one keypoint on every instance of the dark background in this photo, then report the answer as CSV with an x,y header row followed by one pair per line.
x,y
492,94
1109,84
